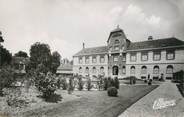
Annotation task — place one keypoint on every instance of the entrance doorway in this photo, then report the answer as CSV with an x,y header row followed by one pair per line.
x,y
115,70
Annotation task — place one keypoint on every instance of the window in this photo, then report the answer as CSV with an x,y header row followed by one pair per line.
x,y
143,70
80,69
133,57
94,69
87,60
116,42
87,70
169,69
124,57
156,69
156,56
116,47
80,60
115,58
116,35
102,59
123,70
101,70
110,48
115,70
132,70
144,56
94,59
170,55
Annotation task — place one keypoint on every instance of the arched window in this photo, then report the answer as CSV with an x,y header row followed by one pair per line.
x,y
116,41
169,69
132,70
87,70
115,70
156,69
124,70
80,69
143,70
101,70
94,69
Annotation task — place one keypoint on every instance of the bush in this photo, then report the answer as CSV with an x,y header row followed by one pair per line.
x,y
112,91
64,84
150,82
6,77
80,84
110,82
15,98
116,82
89,85
47,85
71,85
132,79
105,82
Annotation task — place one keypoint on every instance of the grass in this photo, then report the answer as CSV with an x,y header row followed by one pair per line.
x,y
181,89
94,103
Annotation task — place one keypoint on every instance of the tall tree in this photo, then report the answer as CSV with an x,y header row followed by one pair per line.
x,y
40,54
21,54
5,56
56,57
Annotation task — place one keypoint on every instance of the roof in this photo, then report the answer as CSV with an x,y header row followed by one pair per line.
x,y
20,60
94,50
65,67
149,44
159,43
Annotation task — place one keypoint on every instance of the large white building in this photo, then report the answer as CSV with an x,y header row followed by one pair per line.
x,y
122,58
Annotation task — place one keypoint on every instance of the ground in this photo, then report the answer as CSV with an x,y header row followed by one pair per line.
x,y
92,103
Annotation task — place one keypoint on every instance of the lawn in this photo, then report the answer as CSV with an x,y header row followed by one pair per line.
x,y
93,103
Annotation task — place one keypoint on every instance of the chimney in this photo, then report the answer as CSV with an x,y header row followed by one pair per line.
x,y
83,44
150,37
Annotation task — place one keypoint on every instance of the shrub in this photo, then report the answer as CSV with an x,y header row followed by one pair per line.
x,y
116,82
132,79
80,84
70,85
6,77
64,84
150,82
15,98
110,82
89,85
112,91
47,85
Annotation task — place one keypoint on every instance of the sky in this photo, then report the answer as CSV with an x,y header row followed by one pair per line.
x,y
66,24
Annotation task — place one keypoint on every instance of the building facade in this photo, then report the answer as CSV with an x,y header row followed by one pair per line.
x,y
123,58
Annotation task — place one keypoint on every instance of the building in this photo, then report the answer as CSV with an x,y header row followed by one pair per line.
x,y
19,64
122,58
65,69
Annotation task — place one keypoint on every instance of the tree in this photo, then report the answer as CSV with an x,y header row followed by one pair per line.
x,y
21,54
55,61
6,77
40,54
5,56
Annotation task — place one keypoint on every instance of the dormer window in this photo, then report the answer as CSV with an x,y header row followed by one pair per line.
x,y
116,47
116,35
116,42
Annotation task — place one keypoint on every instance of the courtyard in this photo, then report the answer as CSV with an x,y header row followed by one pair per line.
x,y
92,103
